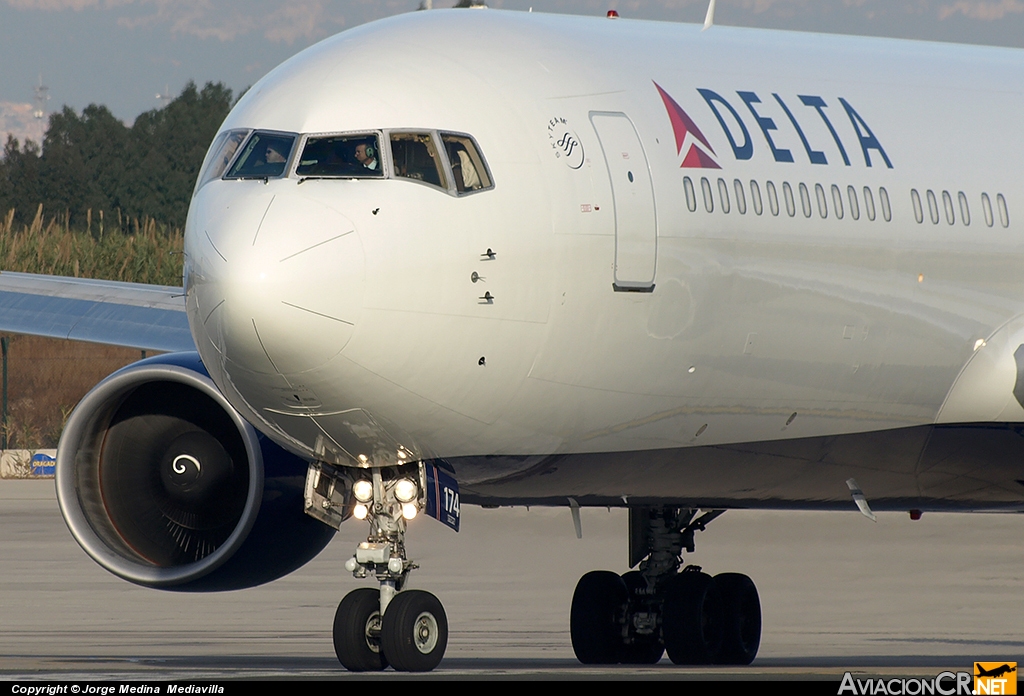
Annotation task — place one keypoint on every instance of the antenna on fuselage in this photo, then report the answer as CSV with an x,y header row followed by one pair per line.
x,y
709,18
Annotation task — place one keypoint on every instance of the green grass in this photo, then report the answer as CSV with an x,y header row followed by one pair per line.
x,y
139,251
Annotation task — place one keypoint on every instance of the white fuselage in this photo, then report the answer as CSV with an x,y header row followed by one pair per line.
x,y
341,316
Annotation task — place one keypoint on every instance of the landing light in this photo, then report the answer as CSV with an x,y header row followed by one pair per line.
x,y
408,511
405,491
360,511
363,490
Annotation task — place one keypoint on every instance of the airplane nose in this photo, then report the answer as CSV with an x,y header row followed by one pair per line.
x,y
279,283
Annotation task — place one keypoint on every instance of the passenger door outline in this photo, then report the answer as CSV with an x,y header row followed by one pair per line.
x,y
636,220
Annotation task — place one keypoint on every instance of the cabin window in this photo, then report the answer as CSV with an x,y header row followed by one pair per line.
x,y
755,197
869,204
965,210
264,156
986,207
414,156
837,202
773,198
915,199
741,199
819,193
723,195
468,167
341,156
787,193
883,199
705,187
933,207
851,194
1004,212
805,199
947,205
691,196
220,155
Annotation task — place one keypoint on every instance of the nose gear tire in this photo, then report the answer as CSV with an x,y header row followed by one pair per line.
x,y
414,633
357,631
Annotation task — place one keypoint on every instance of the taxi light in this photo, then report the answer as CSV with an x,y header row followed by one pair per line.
x,y
405,491
360,511
363,490
409,511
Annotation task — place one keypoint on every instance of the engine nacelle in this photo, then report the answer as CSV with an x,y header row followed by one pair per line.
x,y
164,484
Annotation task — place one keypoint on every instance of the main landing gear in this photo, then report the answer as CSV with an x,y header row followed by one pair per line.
x,y
637,617
407,630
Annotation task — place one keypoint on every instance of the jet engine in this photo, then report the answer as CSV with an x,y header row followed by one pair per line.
x,y
164,484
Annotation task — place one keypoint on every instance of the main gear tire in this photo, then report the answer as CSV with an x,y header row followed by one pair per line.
x,y
595,619
692,619
741,609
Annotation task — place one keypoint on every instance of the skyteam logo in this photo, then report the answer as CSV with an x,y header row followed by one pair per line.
x,y
686,131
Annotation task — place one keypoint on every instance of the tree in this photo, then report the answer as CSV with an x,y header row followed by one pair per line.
x,y
82,166
20,186
167,149
94,162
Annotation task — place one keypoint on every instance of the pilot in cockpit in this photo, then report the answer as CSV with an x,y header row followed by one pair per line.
x,y
367,156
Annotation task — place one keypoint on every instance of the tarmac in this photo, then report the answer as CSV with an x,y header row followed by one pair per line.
x,y
838,593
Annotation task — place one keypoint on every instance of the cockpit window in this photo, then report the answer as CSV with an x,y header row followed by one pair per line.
x,y
468,167
220,154
345,156
415,157
264,156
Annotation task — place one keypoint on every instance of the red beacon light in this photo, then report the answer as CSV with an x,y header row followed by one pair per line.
x,y
612,14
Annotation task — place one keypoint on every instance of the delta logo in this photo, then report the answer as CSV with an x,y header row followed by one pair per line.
x,y
995,678
687,131
840,143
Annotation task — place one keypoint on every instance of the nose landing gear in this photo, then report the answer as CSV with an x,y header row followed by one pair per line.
x,y
635,618
407,630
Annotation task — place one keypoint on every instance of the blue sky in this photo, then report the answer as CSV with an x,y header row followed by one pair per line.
x,y
123,52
